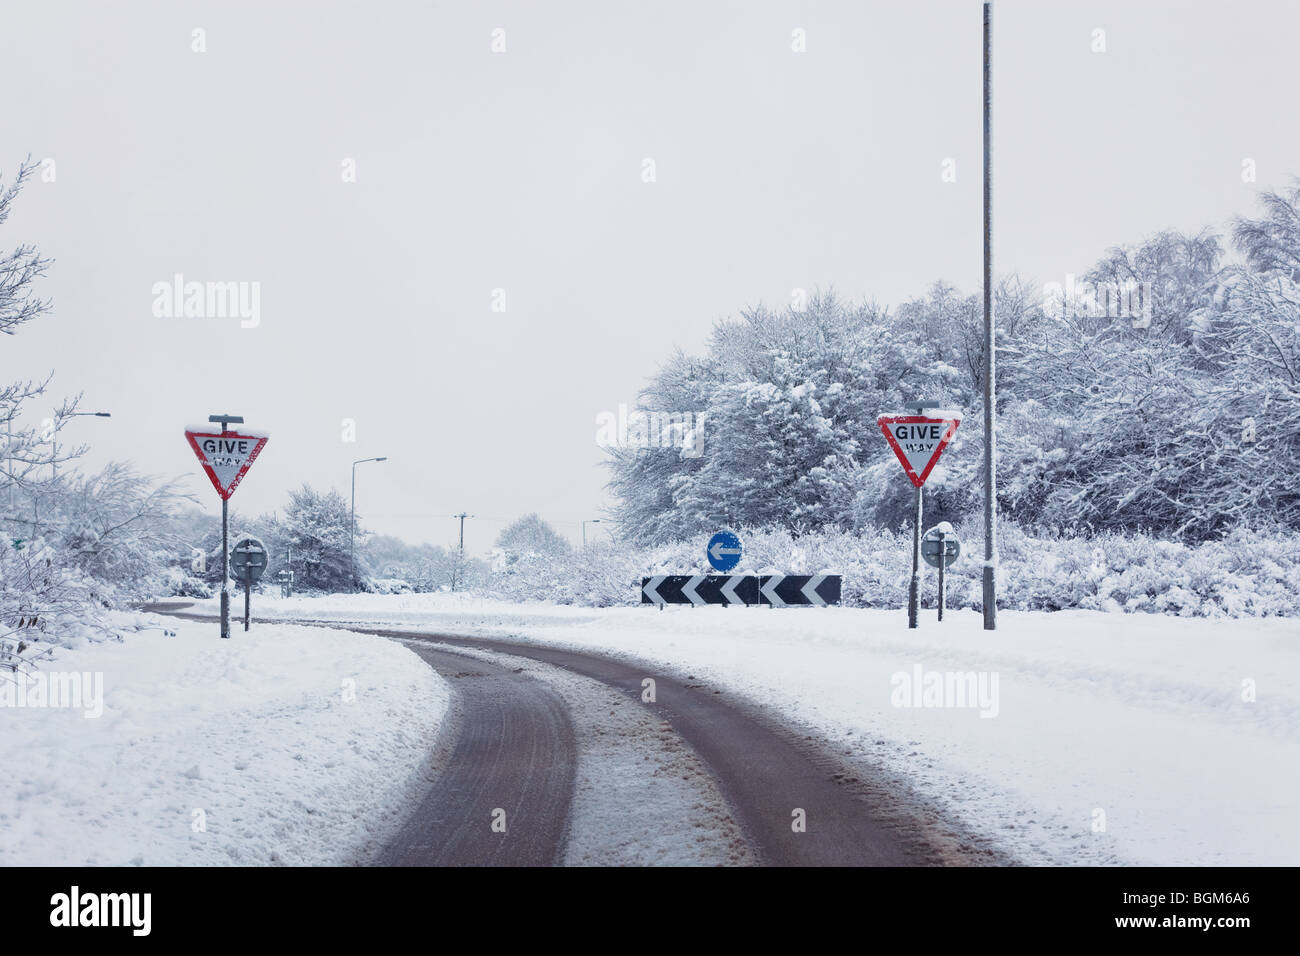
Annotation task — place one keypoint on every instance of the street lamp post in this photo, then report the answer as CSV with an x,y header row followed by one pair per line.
x,y
584,529
352,550
54,459
990,596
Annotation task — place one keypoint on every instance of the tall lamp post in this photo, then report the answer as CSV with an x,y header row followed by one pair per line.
x,y
54,459
352,550
584,529
990,595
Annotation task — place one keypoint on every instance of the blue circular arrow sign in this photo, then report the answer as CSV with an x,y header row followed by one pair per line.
x,y
723,551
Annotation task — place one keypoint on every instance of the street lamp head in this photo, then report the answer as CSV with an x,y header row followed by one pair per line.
x,y
381,459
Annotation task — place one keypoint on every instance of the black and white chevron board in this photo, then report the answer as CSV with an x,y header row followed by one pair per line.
x,y
773,590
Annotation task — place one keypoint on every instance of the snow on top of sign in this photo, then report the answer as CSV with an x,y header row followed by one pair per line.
x,y
927,413
212,428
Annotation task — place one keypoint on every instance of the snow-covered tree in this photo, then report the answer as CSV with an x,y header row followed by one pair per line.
x,y
425,567
45,594
318,526
1164,402
789,402
530,535
25,484
116,526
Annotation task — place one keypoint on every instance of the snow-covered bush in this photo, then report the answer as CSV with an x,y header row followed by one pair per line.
x,y
387,586
46,601
176,583
1244,574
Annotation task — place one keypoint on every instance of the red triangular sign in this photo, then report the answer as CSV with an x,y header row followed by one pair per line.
x,y
226,458
919,440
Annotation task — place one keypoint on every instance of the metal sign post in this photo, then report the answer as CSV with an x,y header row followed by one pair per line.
x,y
914,592
225,535
225,571
943,596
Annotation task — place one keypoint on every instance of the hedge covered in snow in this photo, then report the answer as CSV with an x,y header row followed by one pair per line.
x,y
1242,575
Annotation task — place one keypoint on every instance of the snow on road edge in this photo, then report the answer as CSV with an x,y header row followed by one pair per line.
x,y
284,745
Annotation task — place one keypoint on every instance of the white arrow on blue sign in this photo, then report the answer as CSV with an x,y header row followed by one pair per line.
x,y
724,551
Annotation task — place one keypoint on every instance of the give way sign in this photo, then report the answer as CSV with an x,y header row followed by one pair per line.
x,y
919,440
226,458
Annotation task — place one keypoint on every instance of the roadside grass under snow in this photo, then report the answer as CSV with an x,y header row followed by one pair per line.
x,y
254,738
1118,738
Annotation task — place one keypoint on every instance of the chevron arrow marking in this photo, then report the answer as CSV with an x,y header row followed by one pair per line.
x,y
810,590
729,589
689,590
651,589
769,590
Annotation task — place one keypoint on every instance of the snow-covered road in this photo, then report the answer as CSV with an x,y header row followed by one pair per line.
x,y
1085,737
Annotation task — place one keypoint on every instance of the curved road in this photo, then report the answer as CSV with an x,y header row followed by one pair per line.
x,y
515,751
503,797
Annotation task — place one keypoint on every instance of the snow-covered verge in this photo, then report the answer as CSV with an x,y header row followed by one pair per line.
x,y
1111,738
1242,575
282,745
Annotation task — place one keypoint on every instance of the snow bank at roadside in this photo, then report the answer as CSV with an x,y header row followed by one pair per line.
x,y
1117,738
286,744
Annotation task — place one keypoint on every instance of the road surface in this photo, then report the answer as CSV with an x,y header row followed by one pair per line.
x,y
515,752
503,797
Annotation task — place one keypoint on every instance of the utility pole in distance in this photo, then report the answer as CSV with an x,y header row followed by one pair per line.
x,y
460,557
990,409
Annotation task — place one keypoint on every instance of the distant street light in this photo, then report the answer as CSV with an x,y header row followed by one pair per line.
x,y
353,547
584,529
54,460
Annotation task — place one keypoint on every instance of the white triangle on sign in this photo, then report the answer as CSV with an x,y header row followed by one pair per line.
x,y
919,440
226,458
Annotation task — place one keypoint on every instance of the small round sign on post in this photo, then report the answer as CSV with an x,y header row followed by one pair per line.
x,y
941,539
940,548
248,559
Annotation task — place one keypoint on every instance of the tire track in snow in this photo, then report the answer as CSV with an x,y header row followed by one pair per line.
x,y
503,796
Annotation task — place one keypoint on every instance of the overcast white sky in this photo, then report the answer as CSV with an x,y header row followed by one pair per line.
x,y
522,171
